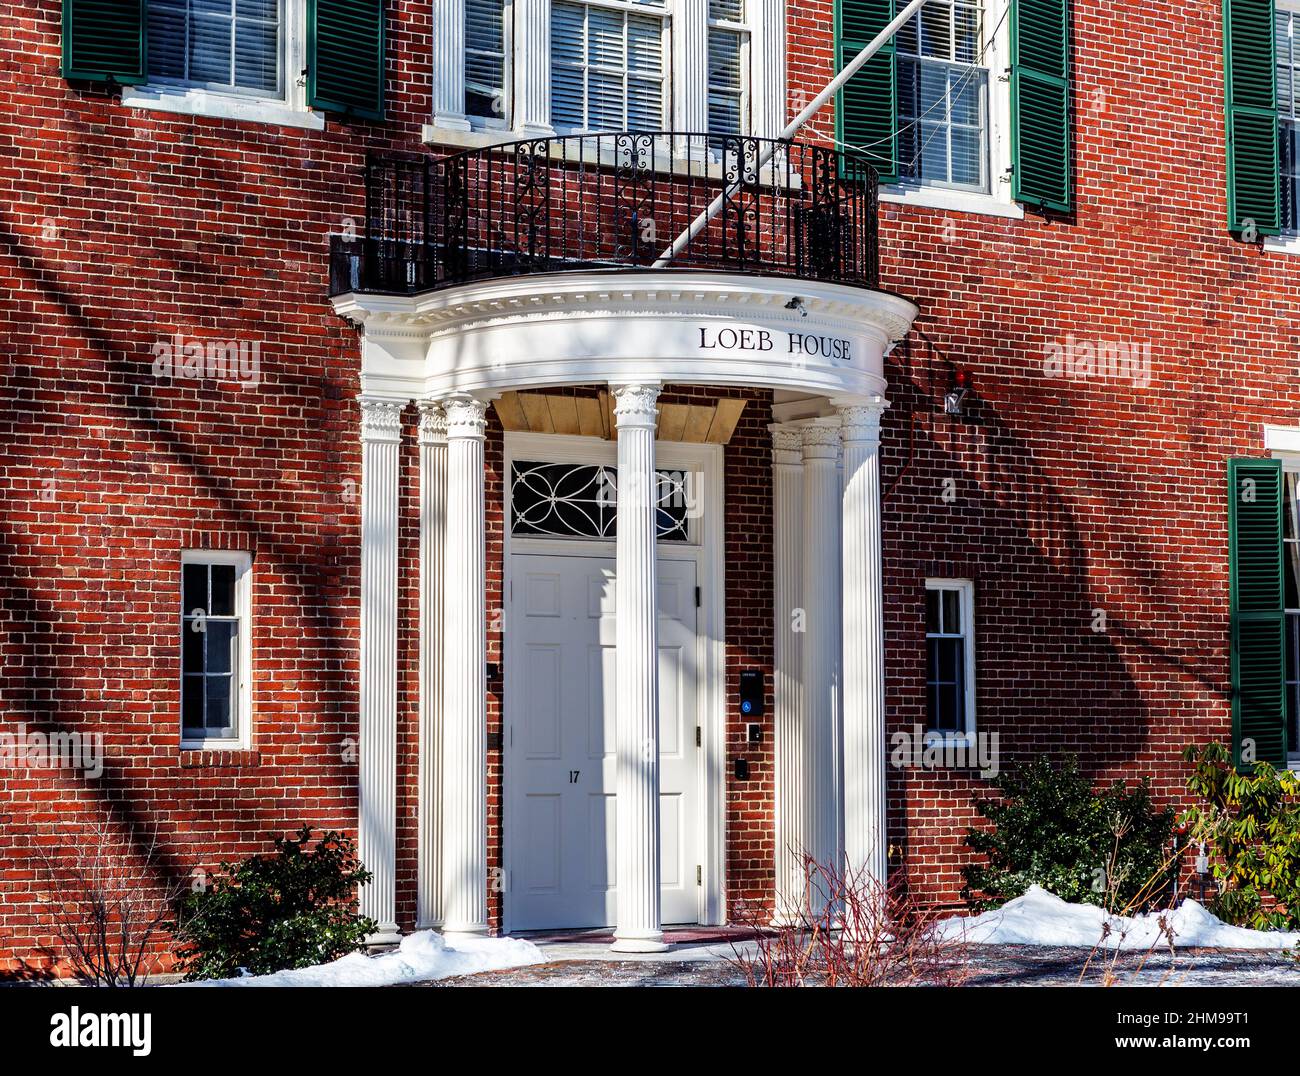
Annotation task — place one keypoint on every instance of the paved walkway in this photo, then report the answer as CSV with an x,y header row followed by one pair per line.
x,y
588,962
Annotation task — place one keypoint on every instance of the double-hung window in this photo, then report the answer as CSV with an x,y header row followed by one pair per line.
x,y
943,87
1287,28
215,648
485,59
950,657
728,67
608,65
233,46
1291,605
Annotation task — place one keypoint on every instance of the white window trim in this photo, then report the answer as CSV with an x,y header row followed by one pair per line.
x,y
745,30
1283,443
243,564
289,110
998,202
687,26
966,587
1284,244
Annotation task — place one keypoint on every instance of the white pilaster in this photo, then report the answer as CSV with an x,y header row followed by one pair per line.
x,y
464,758
690,38
532,57
768,103
793,811
381,435
433,519
448,43
865,838
821,642
637,671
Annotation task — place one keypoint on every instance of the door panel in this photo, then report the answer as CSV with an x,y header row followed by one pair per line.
x,y
561,788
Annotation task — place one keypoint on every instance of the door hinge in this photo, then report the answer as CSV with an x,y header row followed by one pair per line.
x,y
697,736
697,597
699,874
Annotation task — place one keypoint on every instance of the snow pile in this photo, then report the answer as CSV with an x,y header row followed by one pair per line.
x,y
1040,918
421,956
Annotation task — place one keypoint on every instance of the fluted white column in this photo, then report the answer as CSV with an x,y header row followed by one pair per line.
x,y
792,761
448,43
768,82
464,757
690,42
637,674
433,520
821,642
532,52
865,837
381,435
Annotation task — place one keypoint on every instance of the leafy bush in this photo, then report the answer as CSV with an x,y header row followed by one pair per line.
x,y
288,910
1051,829
1251,824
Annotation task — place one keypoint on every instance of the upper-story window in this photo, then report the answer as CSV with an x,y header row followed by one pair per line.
x,y
228,45
607,65
1287,22
485,59
943,129
728,67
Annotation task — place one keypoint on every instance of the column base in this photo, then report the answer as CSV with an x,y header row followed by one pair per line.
x,y
648,943
385,936
450,934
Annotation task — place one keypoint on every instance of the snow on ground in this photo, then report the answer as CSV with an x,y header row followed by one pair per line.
x,y
420,957
1040,918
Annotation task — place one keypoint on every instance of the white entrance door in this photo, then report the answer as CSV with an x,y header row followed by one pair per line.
x,y
561,779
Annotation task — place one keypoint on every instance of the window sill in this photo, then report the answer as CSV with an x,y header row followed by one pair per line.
x,y
220,106
571,146
209,755
1282,244
985,205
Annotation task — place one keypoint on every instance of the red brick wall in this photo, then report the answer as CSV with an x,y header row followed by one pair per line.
x,y
122,226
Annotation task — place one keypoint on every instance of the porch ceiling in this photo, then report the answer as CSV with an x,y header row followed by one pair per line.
x,y
593,416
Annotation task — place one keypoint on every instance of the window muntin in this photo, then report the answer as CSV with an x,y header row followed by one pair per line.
x,y
234,46
214,646
728,64
1287,23
608,70
1291,602
943,128
950,657
577,500
485,59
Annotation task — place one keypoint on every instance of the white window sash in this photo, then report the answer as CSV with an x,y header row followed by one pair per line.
x,y
965,589
242,676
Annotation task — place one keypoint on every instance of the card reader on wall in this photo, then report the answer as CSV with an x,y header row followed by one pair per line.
x,y
752,690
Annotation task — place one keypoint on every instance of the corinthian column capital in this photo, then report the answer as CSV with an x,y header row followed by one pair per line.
x,y
466,416
636,405
381,418
860,417
433,422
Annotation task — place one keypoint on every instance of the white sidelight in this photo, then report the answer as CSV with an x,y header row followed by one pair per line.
x,y
381,435
865,839
433,523
638,929
793,810
448,42
464,755
821,640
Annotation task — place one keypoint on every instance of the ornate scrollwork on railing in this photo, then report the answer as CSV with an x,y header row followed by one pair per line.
x,y
612,201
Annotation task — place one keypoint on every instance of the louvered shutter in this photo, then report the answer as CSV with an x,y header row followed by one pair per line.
x,y
345,57
1257,612
866,113
104,41
484,57
568,58
1250,104
1041,140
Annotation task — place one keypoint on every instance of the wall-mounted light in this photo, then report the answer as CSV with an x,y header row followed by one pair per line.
x,y
797,304
954,402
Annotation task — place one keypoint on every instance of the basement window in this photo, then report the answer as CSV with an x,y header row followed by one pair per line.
x,y
950,657
216,648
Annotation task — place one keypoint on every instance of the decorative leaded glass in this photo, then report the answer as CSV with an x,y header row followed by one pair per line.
x,y
579,500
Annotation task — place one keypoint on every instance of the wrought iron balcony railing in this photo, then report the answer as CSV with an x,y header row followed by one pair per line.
x,y
612,201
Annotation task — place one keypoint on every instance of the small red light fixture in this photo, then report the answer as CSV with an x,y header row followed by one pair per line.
x,y
954,402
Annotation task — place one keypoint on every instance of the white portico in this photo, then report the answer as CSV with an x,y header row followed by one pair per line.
x,y
820,347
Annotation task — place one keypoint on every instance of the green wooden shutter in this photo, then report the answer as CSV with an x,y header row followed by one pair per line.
x,y
1250,100
1042,171
866,113
104,41
1258,619
345,57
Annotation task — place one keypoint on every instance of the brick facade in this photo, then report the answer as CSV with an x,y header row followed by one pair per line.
x,y
123,226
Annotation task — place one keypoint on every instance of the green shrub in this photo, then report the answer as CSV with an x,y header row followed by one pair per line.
x,y
288,910
1251,825
1052,830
